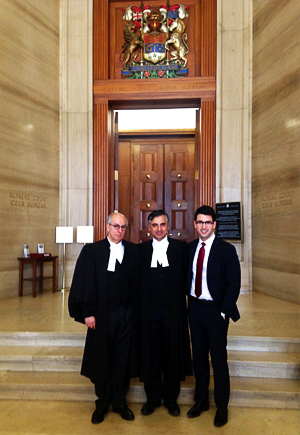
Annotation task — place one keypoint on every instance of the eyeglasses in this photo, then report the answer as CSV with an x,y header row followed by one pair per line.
x,y
117,227
204,223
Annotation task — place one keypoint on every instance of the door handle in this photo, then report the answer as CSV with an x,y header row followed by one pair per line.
x,y
148,176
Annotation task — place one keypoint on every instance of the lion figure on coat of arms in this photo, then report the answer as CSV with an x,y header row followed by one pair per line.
x,y
130,46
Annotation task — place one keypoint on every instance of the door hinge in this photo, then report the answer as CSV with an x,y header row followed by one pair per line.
x,y
116,175
197,175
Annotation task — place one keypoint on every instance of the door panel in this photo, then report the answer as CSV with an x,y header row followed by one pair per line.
x,y
124,184
147,186
161,177
179,189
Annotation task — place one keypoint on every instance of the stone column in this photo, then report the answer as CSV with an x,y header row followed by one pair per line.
x,y
234,105
76,121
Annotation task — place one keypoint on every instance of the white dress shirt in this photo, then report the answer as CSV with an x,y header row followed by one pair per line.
x,y
159,254
205,292
116,253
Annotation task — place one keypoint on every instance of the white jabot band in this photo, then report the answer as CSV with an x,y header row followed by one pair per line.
x,y
159,254
116,253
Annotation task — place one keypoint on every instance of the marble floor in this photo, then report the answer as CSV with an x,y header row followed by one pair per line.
x,y
73,418
260,316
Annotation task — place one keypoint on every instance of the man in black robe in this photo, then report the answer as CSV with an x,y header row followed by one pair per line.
x,y
165,346
103,295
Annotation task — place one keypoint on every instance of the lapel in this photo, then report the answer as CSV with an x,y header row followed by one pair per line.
x,y
106,250
127,252
193,246
212,255
103,252
171,254
148,252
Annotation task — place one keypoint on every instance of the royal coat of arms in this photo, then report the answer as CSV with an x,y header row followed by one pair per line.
x,y
159,37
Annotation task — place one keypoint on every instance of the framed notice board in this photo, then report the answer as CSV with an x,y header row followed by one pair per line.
x,y
229,221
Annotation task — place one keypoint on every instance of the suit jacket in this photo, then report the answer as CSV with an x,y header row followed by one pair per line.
x,y
88,297
180,358
223,275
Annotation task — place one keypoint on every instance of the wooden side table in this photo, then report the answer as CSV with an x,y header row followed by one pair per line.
x,y
35,261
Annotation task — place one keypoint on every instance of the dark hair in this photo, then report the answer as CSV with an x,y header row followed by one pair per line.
x,y
207,211
157,213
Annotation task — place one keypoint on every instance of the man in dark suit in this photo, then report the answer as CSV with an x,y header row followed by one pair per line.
x,y
165,356
214,280
103,295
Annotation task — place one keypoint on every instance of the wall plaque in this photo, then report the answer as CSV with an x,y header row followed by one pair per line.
x,y
229,221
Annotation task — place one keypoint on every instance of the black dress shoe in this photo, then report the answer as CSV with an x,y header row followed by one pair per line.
x,y
98,415
173,408
149,407
124,412
221,418
199,406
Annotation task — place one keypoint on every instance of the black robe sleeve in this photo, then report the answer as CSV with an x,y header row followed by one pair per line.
x,y
82,301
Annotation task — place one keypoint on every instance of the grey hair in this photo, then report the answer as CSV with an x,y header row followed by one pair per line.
x,y
157,213
109,219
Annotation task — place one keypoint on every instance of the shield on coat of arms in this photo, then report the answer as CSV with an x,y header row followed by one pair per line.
x,y
154,47
172,15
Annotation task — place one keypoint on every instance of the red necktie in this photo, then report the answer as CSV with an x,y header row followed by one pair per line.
x,y
198,284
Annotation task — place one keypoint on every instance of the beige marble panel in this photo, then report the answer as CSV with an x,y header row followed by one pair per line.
x,y
79,159
76,121
232,95
30,37
80,85
277,283
231,154
276,31
276,150
233,147
29,87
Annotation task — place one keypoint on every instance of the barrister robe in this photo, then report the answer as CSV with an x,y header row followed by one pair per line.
x,y
88,297
180,353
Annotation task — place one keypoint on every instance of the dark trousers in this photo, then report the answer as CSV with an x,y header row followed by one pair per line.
x,y
160,386
209,334
115,388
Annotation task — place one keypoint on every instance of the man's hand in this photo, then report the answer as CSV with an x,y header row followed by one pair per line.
x,y
90,322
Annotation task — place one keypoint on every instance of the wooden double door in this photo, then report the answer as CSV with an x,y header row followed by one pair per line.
x,y
157,173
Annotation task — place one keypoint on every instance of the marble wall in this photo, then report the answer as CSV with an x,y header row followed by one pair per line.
x,y
29,134
233,117
76,122
276,148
